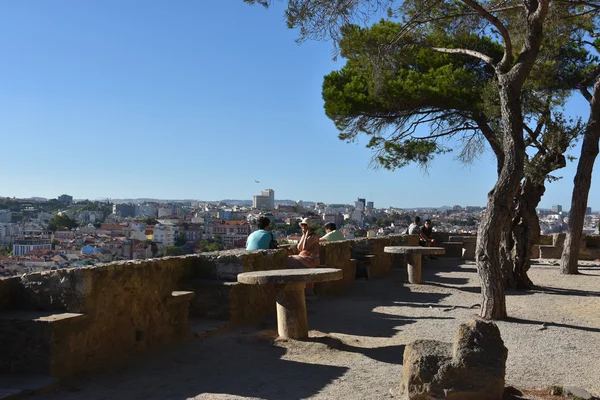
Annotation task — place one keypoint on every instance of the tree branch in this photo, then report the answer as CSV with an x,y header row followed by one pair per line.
x,y
468,52
508,57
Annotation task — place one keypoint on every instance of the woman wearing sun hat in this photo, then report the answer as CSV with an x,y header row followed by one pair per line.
x,y
306,253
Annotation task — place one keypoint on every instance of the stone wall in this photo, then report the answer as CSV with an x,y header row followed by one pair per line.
x,y
86,318
218,295
336,255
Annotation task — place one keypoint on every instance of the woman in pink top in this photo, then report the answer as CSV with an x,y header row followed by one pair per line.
x,y
306,253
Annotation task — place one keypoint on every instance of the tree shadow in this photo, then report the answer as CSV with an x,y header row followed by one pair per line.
x,y
450,280
468,289
386,354
358,313
549,324
565,292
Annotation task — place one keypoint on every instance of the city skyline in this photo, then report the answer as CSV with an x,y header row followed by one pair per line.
x,y
117,101
250,201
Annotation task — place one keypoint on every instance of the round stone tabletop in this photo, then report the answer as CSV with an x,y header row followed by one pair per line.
x,y
283,276
414,250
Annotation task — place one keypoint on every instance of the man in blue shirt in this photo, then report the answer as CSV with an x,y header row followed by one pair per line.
x,y
260,239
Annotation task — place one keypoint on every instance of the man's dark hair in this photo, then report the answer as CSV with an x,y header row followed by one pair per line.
x,y
330,225
417,220
428,221
263,222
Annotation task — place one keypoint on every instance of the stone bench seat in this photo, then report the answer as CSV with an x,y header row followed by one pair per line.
x,y
550,251
52,318
37,342
413,259
463,239
363,265
453,249
291,305
468,245
180,296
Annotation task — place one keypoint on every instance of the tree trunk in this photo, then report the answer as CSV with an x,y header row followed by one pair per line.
x,y
500,201
581,188
526,228
506,259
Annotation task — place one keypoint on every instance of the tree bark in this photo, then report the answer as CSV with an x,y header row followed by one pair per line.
x,y
506,259
500,200
526,229
581,187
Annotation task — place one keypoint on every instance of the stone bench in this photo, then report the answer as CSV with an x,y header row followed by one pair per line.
x,y
363,265
289,285
37,342
413,258
468,245
453,249
550,251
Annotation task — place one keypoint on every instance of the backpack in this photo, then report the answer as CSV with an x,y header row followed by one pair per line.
x,y
273,242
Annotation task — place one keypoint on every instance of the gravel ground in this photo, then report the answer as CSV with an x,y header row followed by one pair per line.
x,y
357,341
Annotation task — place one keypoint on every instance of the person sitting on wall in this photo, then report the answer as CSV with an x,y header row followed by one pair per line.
x,y
261,238
415,227
332,235
425,236
306,253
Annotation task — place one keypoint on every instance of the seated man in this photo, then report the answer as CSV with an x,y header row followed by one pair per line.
x,y
333,234
425,234
415,227
260,239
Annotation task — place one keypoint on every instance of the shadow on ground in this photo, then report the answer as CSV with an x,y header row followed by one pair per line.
x,y
235,364
357,314
386,354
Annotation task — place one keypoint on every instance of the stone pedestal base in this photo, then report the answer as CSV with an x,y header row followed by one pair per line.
x,y
291,311
413,265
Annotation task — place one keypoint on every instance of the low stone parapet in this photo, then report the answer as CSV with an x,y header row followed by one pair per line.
x,y
128,307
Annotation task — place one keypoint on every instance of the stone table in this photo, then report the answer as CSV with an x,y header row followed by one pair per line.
x,y
289,284
413,259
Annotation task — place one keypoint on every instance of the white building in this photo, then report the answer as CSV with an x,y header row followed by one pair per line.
x,y
24,246
265,200
5,216
146,210
164,234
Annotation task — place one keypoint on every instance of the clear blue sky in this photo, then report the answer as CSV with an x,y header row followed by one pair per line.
x,y
196,100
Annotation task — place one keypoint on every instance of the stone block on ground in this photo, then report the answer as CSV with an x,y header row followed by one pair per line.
x,y
473,367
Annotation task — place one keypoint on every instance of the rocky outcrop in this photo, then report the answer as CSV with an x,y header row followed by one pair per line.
x,y
473,367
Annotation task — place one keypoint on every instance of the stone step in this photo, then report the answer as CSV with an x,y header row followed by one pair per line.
x,y
14,386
